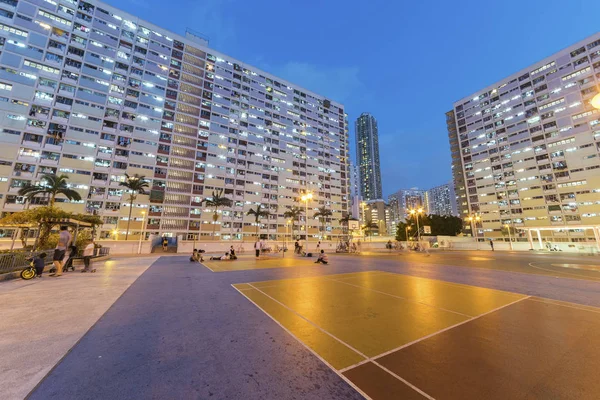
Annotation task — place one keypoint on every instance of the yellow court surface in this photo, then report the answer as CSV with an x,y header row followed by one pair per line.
x,y
246,263
348,319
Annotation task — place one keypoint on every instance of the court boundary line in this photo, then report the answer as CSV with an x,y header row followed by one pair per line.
x,y
546,300
367,358
336,371
580,277
401,298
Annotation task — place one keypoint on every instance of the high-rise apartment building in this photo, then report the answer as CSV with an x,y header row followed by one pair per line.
x,y
458,177
529,148
90,91
355,197
378,213
404,200
441,200
367,157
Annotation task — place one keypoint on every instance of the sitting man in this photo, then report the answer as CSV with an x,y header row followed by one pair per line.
x,y
322,258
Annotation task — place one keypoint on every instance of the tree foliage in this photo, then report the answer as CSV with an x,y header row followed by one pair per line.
x,y
50,186
216,201
323,213
40,216
294,213
135,184
259,212
443,225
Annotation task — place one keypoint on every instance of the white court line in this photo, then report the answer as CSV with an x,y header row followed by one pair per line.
x,y
562,304
206,266
342,342
580,277
401,298
337,372
448,328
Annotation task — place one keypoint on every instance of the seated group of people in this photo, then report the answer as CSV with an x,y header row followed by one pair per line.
x,y
230,255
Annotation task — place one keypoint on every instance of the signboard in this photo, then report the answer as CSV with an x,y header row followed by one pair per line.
x,y
427,230
353,225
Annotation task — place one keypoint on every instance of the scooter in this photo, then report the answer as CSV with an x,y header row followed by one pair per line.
x,y
29,272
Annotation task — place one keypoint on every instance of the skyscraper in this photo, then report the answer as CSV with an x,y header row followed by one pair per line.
x,y
403,200
441,200
367,157
93,92
525,149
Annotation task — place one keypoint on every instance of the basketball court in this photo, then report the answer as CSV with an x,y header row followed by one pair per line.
x,y
398,336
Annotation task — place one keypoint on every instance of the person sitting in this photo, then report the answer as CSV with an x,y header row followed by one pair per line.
x,y
322,258
232,255
196,256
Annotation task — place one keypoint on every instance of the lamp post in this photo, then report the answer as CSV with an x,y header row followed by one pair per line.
x,y
363,205
416,214
509,236
473,219
306,198
287,224
408,228
116,234
142,233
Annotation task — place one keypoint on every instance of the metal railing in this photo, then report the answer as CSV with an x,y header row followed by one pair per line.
x,y
17,260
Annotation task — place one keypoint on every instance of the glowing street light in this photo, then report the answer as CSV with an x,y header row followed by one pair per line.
x,y
596,101
408,228
415,213
509,237
474,219
306,198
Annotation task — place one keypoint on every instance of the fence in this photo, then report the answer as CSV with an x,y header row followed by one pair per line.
x,y
17,260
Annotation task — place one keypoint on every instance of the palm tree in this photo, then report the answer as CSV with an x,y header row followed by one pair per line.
x,y
217,201
322,213
369,226
258,213
135,184
51,186
294,214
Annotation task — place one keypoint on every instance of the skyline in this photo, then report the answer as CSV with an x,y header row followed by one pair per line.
x,y
337,68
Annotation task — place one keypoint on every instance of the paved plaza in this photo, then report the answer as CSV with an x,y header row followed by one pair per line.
x,y
451,325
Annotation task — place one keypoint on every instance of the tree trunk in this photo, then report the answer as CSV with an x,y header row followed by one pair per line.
x,y
131,198
52,199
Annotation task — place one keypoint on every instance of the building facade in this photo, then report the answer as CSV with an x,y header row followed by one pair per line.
x,y
529,148
355,198
441,200
404,200
90,91
378,212
367,157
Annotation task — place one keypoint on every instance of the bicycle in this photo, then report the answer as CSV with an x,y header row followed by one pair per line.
x,y
29,271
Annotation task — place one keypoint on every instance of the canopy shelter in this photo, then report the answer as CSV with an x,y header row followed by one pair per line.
x,y
539,229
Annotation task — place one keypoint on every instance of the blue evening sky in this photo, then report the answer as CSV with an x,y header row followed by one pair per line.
x,y
406,62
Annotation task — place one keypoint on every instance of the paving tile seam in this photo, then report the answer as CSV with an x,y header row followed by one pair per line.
x,y
401,298
337,372
371,359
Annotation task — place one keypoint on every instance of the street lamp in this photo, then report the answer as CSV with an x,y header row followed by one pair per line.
x,y
363,205
287,224
509,237
474,219
416,212
408,228
306,198
115,233
142,233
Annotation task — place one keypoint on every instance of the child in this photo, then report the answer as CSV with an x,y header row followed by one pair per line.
x,y
194,256
88,252
322,258
39,262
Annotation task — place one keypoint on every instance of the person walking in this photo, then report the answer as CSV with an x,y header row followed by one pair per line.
x,y
88,253
296,247
64,241
492,244
165,243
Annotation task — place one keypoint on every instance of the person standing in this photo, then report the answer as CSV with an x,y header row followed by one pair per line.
x,y
257,245
64,241
492,244
88,253
165,243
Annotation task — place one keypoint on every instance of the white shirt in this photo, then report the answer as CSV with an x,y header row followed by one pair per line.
x,y
88,251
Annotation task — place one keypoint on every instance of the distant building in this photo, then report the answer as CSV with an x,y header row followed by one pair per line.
x,y
405,199
355,197
378,212
441,200
367,157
